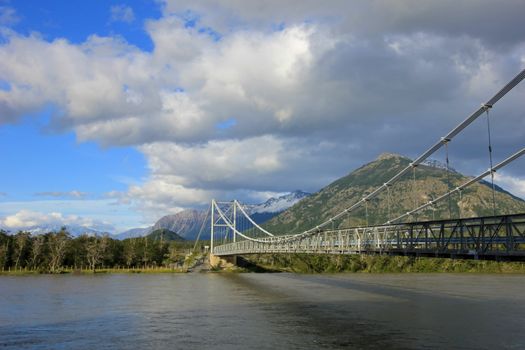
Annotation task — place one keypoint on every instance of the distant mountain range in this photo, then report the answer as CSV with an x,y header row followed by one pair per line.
x,y
187,223
74,230
134,232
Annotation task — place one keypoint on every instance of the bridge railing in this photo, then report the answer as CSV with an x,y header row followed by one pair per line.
x,y
483,237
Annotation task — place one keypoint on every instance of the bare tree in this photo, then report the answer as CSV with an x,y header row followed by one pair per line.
x,y
36,251
95,250
21,241
57,249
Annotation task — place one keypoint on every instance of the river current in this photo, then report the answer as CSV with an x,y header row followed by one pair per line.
x,y
263,311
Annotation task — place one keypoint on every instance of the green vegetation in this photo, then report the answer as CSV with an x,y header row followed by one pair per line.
x,y
404,195
324,263
59,252
165,234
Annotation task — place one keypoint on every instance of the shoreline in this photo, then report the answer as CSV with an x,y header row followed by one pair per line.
x,y
68,271
311,264
372,264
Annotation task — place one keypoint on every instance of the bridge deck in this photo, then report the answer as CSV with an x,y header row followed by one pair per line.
x,y
491,237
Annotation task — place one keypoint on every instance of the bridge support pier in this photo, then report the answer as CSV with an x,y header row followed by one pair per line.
x,y
223,261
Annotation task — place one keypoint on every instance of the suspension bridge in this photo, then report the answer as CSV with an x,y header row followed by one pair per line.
x,y
234,232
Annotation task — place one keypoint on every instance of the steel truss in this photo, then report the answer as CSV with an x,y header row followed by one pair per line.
x,y
491,237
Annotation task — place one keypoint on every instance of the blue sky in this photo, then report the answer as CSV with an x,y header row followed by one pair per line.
x,y
115,113
39,159
45,165
77,19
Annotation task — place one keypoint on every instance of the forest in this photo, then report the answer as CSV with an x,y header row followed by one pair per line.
x,y
55,251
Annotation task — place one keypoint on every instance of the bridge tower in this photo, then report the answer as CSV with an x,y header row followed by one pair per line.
x,y
223,224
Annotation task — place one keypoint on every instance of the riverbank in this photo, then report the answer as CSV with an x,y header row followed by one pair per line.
x,y
114,270
312,263
324,263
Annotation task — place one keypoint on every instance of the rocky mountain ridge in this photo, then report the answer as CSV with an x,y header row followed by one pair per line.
x,y
431,181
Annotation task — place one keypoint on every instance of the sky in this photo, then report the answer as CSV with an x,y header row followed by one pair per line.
x,y
115,113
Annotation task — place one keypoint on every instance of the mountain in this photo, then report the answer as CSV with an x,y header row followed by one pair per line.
x,y
134,232
187,223
431,181
165,235
277,205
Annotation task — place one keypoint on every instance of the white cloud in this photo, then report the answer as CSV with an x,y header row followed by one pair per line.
x,y
217,160
515,185
122,13
73,211
313,90
25,219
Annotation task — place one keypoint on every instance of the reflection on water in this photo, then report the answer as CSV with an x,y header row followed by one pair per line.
x,y
236,311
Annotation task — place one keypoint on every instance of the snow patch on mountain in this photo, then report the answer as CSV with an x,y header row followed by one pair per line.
x,y
277,205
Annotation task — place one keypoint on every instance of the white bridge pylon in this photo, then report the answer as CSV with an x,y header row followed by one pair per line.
x,y
227,225
230,221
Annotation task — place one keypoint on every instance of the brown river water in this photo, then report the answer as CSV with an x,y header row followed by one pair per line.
x,y
263,311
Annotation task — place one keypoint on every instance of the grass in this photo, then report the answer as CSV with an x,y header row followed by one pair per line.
x,y
317,263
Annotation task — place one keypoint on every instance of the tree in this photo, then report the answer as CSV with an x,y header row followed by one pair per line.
x,y
175,256
36,251
146,253
95,249
130,253
57,243
4,249
22,240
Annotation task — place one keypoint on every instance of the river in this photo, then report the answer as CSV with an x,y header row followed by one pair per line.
x,y
262,311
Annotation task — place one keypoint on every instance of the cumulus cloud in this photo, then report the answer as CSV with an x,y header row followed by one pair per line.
x,y
513,184
25,219
253,98
122,13
481,19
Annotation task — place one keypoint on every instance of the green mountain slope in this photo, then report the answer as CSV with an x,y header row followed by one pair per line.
x,y
165,234
430,182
